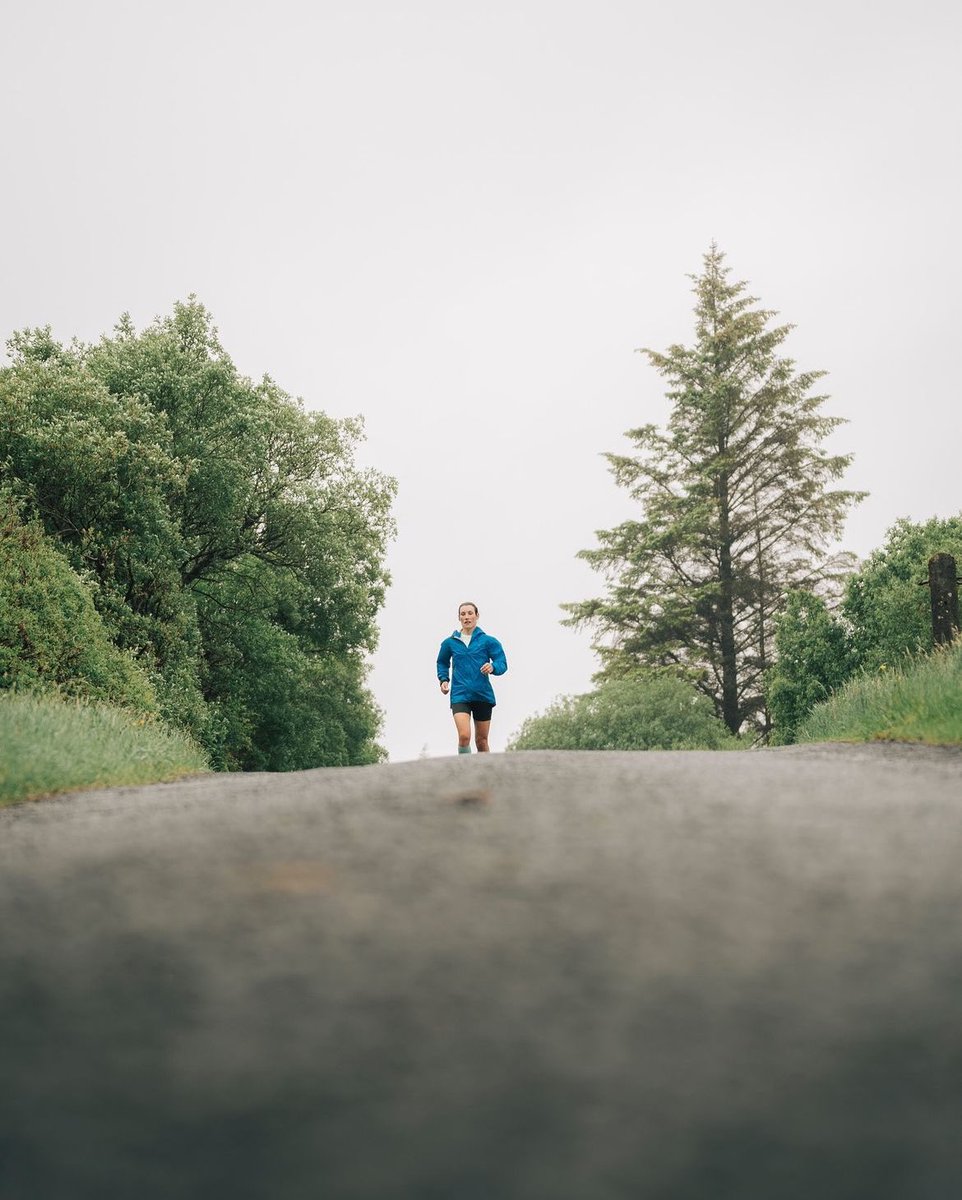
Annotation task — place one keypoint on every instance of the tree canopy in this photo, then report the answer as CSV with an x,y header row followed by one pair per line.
x,y
234,548
735,508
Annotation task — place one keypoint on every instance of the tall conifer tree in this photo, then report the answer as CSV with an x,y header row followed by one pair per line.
x,y
736,508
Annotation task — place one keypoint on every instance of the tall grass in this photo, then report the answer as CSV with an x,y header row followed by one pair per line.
x,y
52,745
920,702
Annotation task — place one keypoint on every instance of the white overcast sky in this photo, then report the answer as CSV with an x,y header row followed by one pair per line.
x,y
460,221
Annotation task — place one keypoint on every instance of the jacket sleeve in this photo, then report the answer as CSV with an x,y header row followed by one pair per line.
x,y
444,660
498,661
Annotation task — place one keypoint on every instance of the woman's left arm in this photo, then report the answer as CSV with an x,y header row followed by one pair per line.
x,y
499,664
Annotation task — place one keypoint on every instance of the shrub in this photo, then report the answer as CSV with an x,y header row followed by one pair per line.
x,y
889,613
51,636
814,658
651,712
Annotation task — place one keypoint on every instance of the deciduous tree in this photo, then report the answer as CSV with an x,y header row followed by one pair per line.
x,y
236,549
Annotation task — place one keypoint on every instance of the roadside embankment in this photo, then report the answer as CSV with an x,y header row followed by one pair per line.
x,y
49,745
920,701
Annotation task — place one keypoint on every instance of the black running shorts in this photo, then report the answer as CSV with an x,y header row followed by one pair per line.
x,y
479,709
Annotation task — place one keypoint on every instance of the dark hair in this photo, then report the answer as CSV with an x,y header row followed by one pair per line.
x,y
465,603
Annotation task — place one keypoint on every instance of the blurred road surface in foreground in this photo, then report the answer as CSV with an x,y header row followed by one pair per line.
x,y
541,976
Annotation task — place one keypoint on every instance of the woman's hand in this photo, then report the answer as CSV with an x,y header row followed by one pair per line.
x,y
445,687
487,668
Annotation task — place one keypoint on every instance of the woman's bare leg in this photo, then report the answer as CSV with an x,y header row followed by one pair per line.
x,y
481,735
463,722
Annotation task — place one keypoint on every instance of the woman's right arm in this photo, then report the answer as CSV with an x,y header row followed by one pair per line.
x,y
444,666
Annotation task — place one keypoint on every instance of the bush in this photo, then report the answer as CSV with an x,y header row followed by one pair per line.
x,y
814,658
889,613
653,712
51,636
884,622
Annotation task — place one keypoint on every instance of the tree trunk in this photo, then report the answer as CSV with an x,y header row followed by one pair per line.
x,y
762,640
726,615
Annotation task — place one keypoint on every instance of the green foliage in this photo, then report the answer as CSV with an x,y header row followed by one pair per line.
x,y
884,622
888,611
735,508
278,707
921,701
234,547
51,636
99,470
814,658
647,712
50,745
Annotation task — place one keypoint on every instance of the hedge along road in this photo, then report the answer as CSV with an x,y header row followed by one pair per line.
x,y
535,975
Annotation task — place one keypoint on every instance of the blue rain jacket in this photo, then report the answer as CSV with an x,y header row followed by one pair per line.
x,y
466,661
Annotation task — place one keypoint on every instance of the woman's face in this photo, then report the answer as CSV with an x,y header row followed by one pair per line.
x,y
468,616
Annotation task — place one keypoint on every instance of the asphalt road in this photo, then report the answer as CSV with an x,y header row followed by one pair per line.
x,y
544,976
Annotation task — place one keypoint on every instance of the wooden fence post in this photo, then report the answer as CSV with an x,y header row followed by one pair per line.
x,y
944,594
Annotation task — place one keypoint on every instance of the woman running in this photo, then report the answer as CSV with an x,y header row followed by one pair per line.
x,y
466,662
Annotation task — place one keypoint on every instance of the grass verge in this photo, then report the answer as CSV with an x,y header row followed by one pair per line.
x,y
50,745
920,703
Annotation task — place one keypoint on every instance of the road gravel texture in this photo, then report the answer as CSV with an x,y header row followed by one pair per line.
x,y
542,975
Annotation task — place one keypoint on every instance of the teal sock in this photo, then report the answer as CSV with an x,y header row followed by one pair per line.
x,y
464,749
